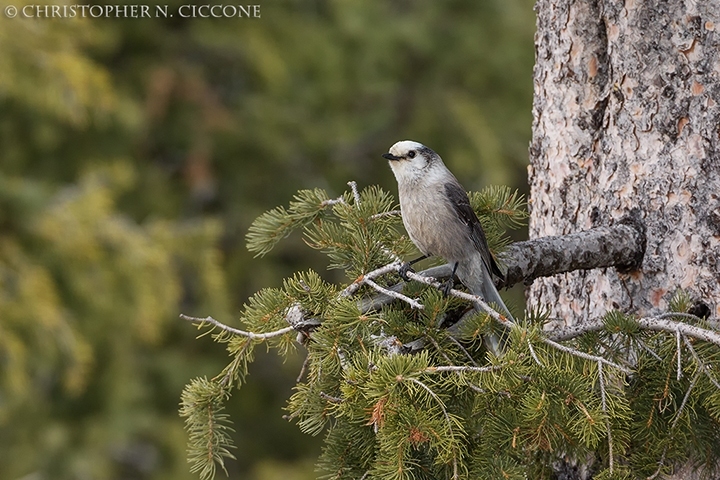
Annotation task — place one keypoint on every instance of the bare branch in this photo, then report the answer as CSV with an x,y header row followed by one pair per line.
x,y
701,363
355,286
584,355
333,201
330,398
393,294
479,301
658,324
440,350
532,352
463,368
621,246
685,400
661,463
356,195
390,213
508,323
303,368
235,331
463,349
649,350
574,331
679,355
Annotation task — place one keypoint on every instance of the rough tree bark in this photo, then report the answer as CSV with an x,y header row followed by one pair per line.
x,y
626,116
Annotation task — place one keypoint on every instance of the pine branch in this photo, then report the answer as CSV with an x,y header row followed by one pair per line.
x,y
366,338
208,429
504,321
272,226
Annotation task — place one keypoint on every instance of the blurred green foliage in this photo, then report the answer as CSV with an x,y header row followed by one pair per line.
x,y
134,154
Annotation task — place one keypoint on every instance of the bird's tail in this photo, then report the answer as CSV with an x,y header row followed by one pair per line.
x,y
476,277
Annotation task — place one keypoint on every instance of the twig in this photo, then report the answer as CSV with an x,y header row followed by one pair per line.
x,y
672,427
356,195
355,286
586,356
532,352
222,326
332,201
390,213
330,398
476,388
573,331
394,256
684,401
463,368
303,368
659,324
607,417
649,350
679,356
701,363
437,347
467,354
688,316
480,302
660,465
393,294
656,324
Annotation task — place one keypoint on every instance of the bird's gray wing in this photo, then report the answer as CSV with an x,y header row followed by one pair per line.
x,y
461,204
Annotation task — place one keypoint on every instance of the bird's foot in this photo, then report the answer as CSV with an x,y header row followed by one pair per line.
x,y
404,270
446,286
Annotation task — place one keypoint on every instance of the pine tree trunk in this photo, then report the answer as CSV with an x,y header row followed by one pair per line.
x,y
627,117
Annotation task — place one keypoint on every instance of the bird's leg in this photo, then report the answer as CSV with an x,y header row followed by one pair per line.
x,y
407,267
450,282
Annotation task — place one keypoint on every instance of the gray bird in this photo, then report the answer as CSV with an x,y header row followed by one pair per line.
x,y
438,217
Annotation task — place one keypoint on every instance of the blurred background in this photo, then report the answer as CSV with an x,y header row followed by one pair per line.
x,y
135,153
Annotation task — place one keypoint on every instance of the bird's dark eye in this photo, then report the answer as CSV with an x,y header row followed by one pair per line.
x,y
411,154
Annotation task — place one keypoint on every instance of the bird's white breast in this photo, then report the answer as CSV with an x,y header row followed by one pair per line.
x,y
430,219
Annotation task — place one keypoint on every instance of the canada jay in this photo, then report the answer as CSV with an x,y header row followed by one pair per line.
x,y
438,217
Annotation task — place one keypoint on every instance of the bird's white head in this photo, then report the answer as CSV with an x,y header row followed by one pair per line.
x,y
411,160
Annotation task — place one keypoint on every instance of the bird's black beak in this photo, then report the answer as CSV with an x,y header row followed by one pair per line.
x,y
390,156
